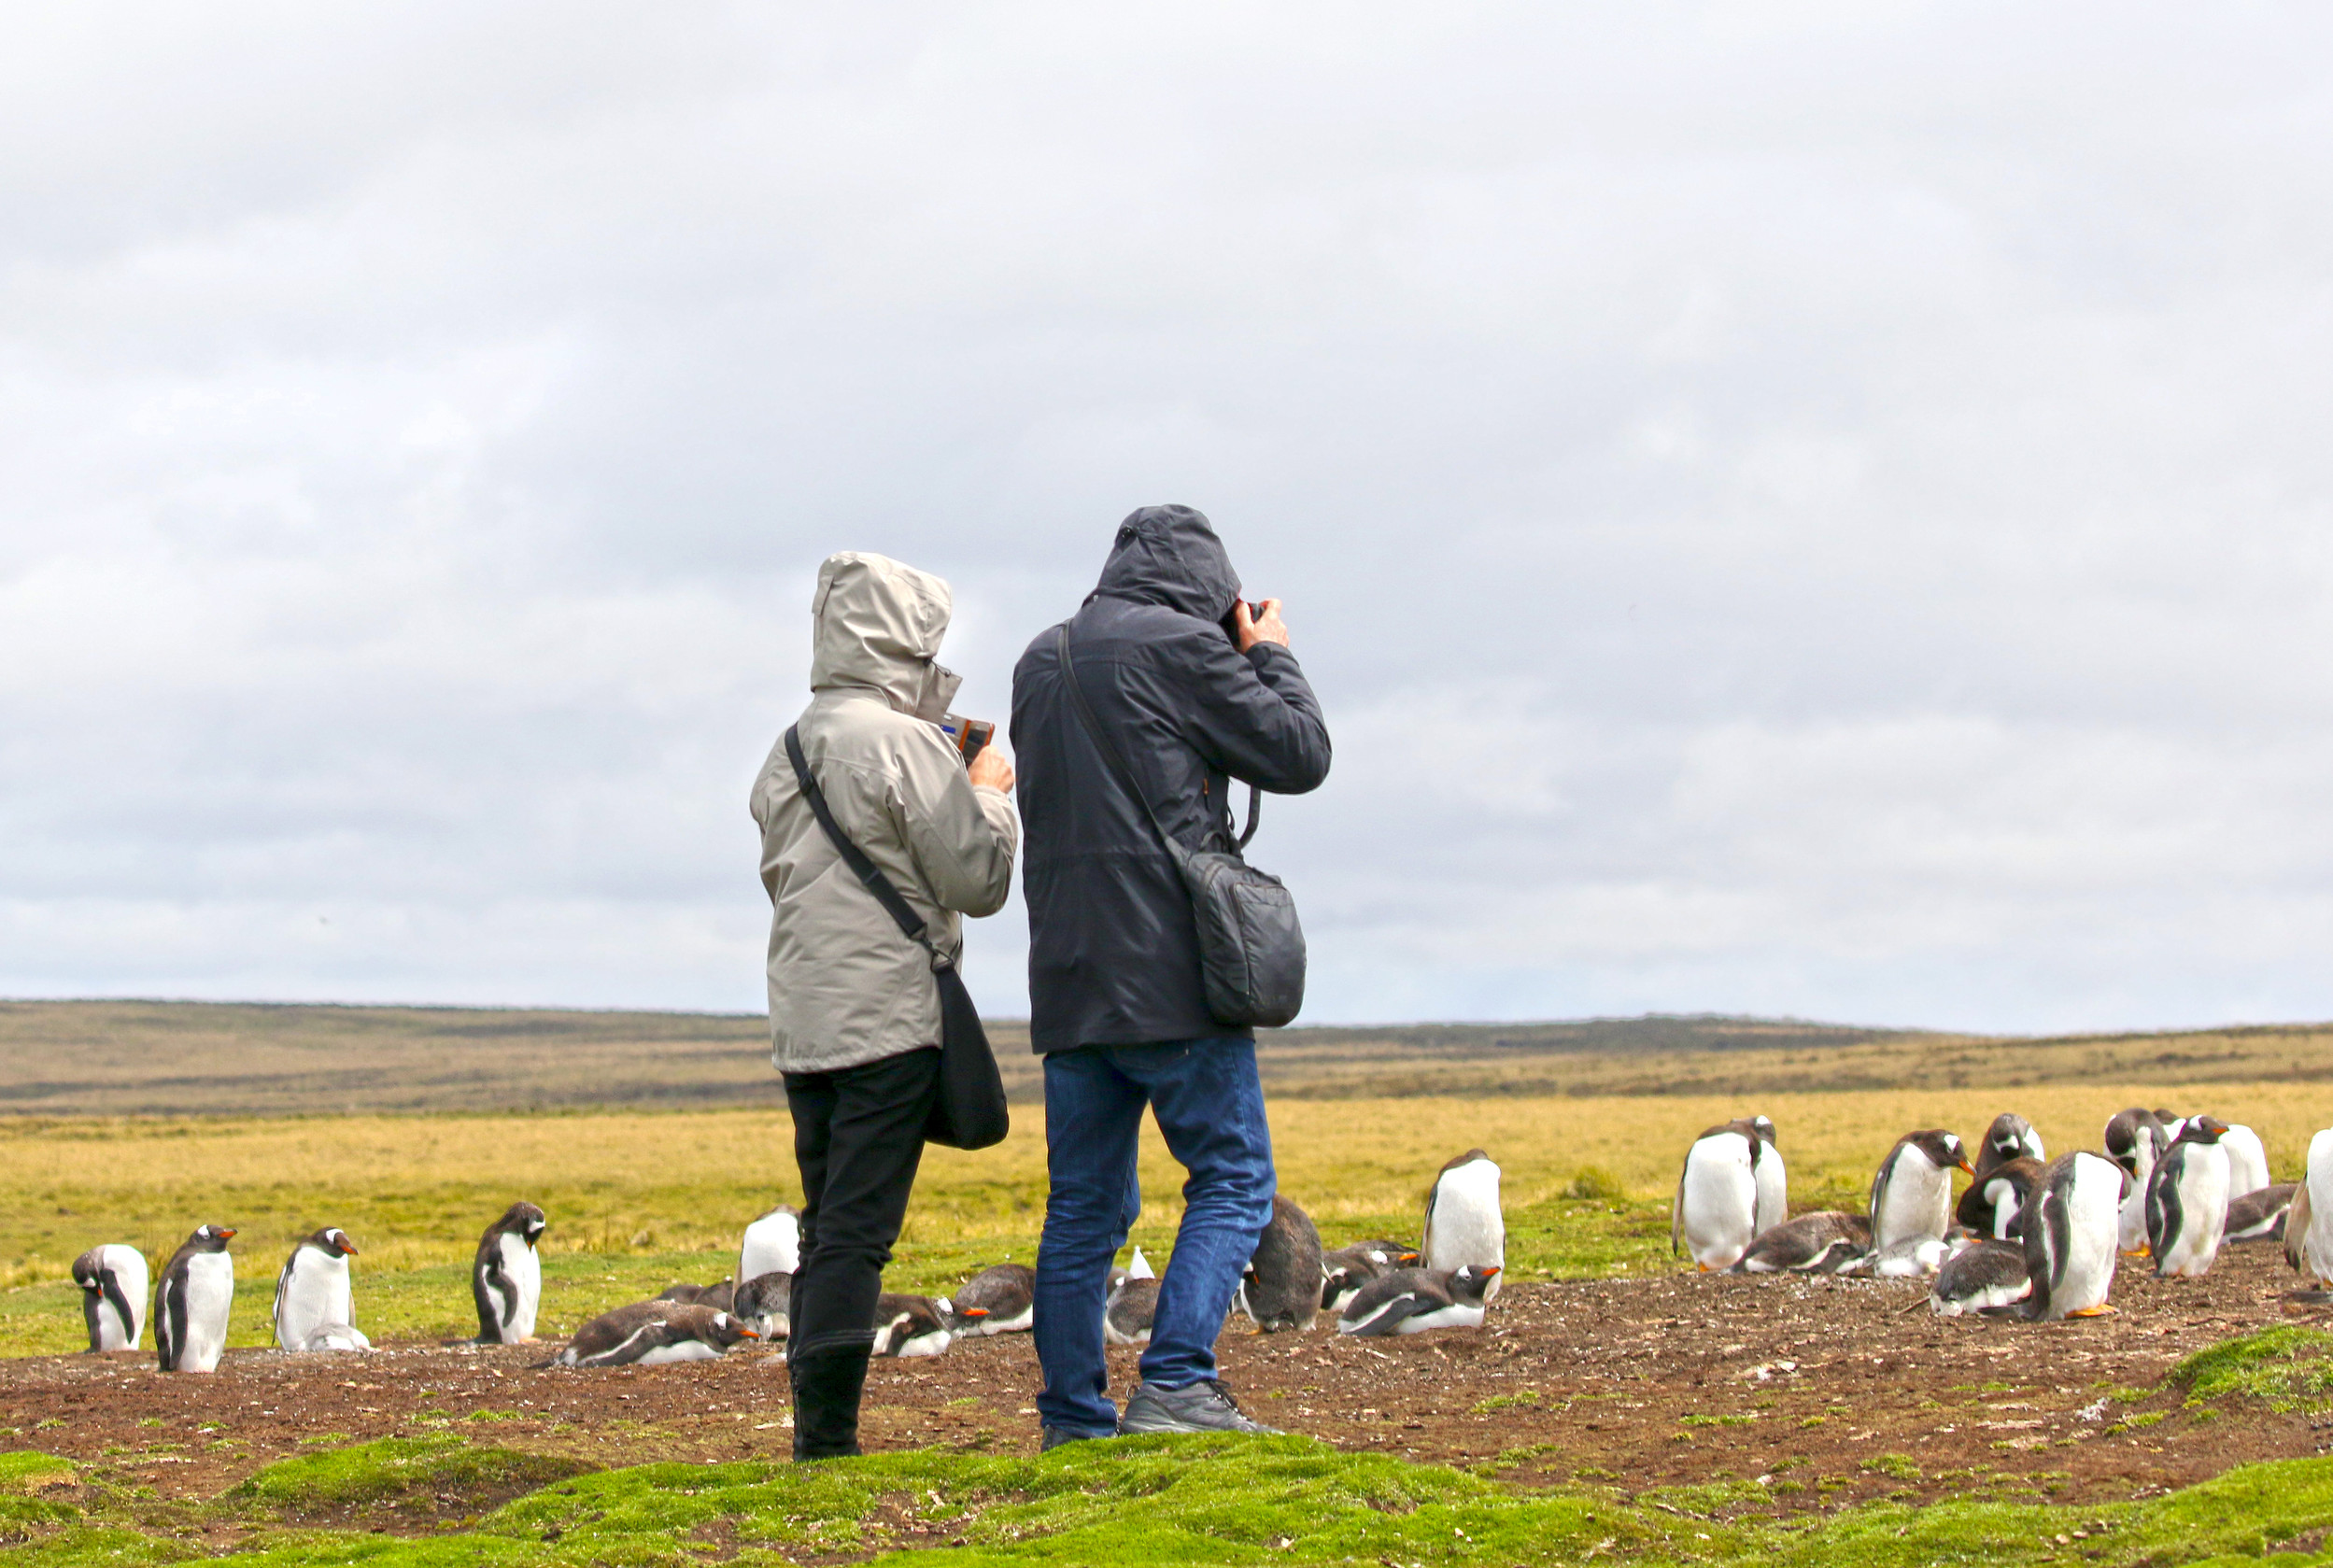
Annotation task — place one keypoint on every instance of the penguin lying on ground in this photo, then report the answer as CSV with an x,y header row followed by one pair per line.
x,y
506,1276
652,1334
113,1295
773,1244
2309,1225
1280,1287
719,1296
1911,1257
2070,1237
1715,1217
1912,1192
1463,1224
1412,1300
333,1336
192,1302
1127,1315
313,1290
1004,1297
911,1325
1136,1267
765,1305
2259,1216
2135,1139
2247,1160
2010,1137
2186,1201
1824,1242
1348,1268
1997,1198
1986,1277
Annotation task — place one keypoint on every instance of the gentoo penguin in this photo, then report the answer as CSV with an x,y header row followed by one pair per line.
x,y
1911,1257
1823,1242
2247,1160
2260,1215
1985,1277
719,1296
909,1325
1412,1300
1463,1224
773,1244
1348,1268
313,1289
1997,1196
507,1277
1126,1317
1774,1183
652,1333
2309,1225
2135,1139
113,1295
2010,1137
1136,1267
192,1302
2186,1201
1912,1191
2069,1231
1715,1217
333,1336
1280,1287
765,1305
1005,1295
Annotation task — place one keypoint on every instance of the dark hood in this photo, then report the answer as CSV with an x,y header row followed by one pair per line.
x,y
1170,555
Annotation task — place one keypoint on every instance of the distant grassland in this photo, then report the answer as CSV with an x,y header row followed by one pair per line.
x,y
638,1199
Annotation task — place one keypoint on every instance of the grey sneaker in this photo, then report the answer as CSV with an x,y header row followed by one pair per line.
x,y
1054,1436
1201,1408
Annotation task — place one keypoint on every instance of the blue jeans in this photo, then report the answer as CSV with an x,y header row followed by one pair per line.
x,y
1210,1104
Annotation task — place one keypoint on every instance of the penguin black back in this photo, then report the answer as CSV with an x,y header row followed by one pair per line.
x,y
1282,1286
501,1284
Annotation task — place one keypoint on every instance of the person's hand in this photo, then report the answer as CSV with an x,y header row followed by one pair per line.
x,y
1271,628
990,768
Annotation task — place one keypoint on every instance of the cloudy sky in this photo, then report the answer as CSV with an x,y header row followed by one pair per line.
x,y
1811,509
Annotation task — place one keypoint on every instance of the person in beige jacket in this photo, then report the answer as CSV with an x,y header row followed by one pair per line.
x,y
854,1008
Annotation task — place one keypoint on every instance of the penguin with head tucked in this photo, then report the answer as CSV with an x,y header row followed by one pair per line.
x,y
506,1276
1413,1300
1989,1277
1000,1299
909,1325
192,1302
313,1290
1280,1287
2135,1139
1350,1267
1463,1222
2186,1201
2070,1233
113,1295
1715,1217
2010,1137
1824,1242
1129,1312
1997,1196
2309,1223
2259,1216
654,1334
765,1304
773,1244
1912,1191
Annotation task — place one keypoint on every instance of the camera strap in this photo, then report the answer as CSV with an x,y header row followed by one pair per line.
x,y
1109,748
856,859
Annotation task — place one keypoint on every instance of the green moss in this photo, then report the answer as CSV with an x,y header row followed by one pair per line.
x,y
395,1468
2286,1366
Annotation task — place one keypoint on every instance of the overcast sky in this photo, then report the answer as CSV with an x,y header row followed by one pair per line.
x,y
1810,509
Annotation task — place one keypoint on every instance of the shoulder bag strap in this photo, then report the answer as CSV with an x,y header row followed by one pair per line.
x,y
856,859
1109,748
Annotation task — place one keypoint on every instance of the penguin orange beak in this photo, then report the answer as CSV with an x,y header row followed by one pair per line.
x,y
1488,1269
749,1333
973,1312
348,1246
226,1233
1965,1166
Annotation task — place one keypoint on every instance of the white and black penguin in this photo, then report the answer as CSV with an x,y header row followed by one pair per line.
x,y
773,1244
654,1334
1413,1300
2135,1139
1912,1191
1003,1294
1715,1217
1136,1267
1911,1257
1989,1277
313,1289
718,1295
2259,1216
1131,1309
2186,1201
765,1304
2309,1225
2070,1237
1465,1225
2247,1160
192,1299
113,1295
1995,1202
506,1276
2010,1137
1824,1242
1348,1268
1773,1181
909,1325
1279,1290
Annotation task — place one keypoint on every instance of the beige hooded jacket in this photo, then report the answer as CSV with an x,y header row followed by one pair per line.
x,y
846,986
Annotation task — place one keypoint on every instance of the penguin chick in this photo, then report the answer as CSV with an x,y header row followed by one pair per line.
x,y
773,1244
1127,1318
192,1300
765,1305
2186,1201
313,1289
1997,1196
113,1295
909,1325
1463,1222
1986,1277
1912,1191
1824,1242
2259,1216
1412,1300
1004,1296
506,1276
1280,1287
651,1333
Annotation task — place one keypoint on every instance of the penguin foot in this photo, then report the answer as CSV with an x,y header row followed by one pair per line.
x,y
2139,1252
2100,1310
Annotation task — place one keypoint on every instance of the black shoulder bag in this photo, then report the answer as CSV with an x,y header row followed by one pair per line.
x,y
1251,945
970,1111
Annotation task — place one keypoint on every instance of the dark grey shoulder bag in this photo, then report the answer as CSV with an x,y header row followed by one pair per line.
x,y
1251,945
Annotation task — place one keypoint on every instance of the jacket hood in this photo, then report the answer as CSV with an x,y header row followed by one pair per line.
x,y
876,623
1170,555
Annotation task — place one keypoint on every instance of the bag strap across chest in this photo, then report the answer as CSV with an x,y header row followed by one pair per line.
x,y
856,859
1105,743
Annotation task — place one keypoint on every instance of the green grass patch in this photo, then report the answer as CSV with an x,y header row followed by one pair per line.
x,y
2286,1367
434,1468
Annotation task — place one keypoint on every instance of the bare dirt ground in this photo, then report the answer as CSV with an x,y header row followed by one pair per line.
x,y
1832,1390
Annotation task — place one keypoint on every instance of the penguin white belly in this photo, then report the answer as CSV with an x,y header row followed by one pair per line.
x,y
2202,1212
210,1293
2091,1233
2131,1226
1019,1323
1915,1203
1463,1314
2317,1244
1719,1197
1774,1190
315,1291
773,1245
523,1270
689,1350
127,1265
1466,1227
932,1344
333,1337
2247,1161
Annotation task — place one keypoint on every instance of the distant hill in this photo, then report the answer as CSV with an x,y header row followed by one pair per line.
x,y
211,1058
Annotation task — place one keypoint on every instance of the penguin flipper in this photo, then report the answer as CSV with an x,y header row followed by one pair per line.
x,y
1389,1317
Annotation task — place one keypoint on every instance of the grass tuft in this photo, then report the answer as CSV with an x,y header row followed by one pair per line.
x,y
440,1468
2285,1366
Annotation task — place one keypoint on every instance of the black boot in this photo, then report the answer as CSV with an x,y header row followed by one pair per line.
x,y
827,1382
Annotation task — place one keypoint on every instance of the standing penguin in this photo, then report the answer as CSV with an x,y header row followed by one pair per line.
x,y
2070,1233
2135,1139
506,1276
2186,1201
2309,1223
113,1295
1281,1288
2010,1137
313,1289
1463,1225
1912,1191
1774,1183
192,1302
2247,1160
1716,1213
773,1244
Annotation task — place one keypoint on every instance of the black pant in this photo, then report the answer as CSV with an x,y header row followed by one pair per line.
x,y
858,1136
